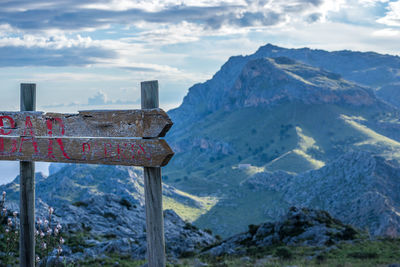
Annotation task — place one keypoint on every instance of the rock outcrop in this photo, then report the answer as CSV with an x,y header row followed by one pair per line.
x,y
105,206
358,188
300,226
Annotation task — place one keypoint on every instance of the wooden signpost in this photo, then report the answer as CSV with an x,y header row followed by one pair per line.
x,y
117,137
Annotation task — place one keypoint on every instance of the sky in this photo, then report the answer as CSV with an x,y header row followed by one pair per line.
x,y
94,54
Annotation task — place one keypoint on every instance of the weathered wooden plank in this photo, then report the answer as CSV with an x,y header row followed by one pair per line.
x,y
27,190
90,123
113,151
153,191
154,217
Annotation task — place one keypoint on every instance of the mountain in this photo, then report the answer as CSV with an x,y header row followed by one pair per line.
x,y
271,130
366,68
359,188
380,72
291,110
369,69
104,207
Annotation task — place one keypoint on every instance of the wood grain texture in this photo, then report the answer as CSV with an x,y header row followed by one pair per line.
x,y
27,190
149,95
27,214
112,151
153,191
90,123
154,217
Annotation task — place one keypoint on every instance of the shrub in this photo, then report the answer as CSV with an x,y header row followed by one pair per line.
x,y
110,215
208,231
189,226
80,204
363,255
284,253
126,203
349,233
253,228
47,236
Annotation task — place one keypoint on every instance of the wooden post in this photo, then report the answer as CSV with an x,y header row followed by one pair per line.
x,y
27,191
153,191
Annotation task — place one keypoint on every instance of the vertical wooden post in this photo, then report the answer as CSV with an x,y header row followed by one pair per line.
x,y
153,191
27,190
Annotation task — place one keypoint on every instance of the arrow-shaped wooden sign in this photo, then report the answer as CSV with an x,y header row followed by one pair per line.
x,y
91,123
97,136
113,151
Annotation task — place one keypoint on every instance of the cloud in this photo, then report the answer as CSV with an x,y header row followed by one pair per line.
x,y
16,56
100,98
58,50
134,34
392,17
73,15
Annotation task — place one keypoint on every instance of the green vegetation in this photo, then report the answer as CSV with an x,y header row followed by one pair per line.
x,y
357,253
185,210
112,260
243,206
293,137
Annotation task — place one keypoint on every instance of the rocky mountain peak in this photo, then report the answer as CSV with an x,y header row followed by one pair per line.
x,y
274,74
268,81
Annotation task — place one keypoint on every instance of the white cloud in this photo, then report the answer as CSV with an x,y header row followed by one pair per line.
x,y
100,98
156,5
392,17
50,42
177,42
387,32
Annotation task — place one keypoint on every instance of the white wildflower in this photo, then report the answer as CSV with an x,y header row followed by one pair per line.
x,y
49,231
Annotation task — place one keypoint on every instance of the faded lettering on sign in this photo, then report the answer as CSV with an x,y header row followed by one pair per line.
x,y
63,149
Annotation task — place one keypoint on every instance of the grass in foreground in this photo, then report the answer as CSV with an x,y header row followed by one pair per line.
x,y
360,253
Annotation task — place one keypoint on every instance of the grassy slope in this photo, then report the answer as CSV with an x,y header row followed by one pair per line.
x,y
361,253
294,137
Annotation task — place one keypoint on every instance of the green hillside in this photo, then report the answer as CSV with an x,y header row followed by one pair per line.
x,y
293,137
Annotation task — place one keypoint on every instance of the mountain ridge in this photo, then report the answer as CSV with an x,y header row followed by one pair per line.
x,y
271,111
